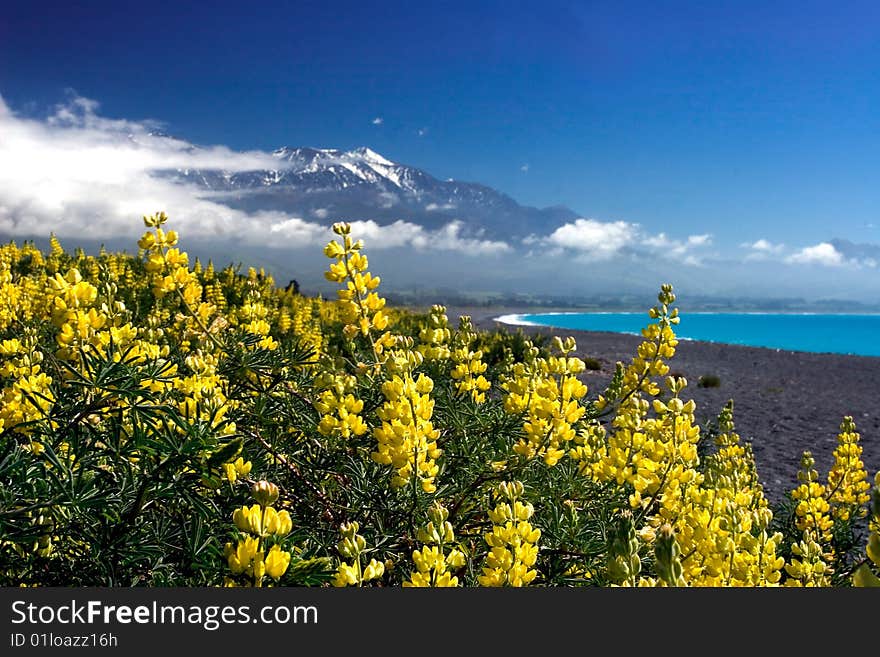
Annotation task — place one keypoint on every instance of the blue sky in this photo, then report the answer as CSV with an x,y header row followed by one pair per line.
x,y
745,120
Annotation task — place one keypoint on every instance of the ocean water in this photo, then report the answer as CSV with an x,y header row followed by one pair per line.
x,y
818,333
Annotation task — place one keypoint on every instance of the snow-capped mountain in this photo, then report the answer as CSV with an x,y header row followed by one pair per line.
x,y
333,185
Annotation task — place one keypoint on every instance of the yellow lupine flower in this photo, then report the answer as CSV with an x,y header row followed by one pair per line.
x,y
346,575
512,544
278,523
407,439
242,554
547,391
238,468
847,489
813,509
277,562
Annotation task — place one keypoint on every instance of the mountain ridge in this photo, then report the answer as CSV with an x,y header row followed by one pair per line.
x,y
333,184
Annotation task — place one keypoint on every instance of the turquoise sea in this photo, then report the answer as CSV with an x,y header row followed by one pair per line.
x,y
819,333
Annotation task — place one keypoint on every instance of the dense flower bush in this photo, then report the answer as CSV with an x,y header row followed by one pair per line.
x,y
166,423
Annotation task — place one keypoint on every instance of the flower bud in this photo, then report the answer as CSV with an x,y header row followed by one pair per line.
x,y
265,492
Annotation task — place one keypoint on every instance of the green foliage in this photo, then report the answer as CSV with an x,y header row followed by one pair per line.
x,y
125,464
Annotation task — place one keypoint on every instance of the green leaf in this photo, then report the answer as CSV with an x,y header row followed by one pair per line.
x,y
226,453
874,548
864,578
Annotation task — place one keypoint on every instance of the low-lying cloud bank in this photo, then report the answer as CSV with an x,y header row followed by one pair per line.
x,y
77,173
838,253
591,240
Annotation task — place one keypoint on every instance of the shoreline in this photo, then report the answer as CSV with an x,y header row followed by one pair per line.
x,y
513,320
785,402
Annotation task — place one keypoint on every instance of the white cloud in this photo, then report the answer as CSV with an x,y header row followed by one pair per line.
x,y
378,120
423,132
297,231
524,168
762,249
824,254
674,248
388,199
433,207
447,238
820,254
595,240
699,240
763,246
321,213
77,173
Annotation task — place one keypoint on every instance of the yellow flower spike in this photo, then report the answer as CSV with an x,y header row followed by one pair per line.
x,y
847,489
434,561
348,547
513,550
407,439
